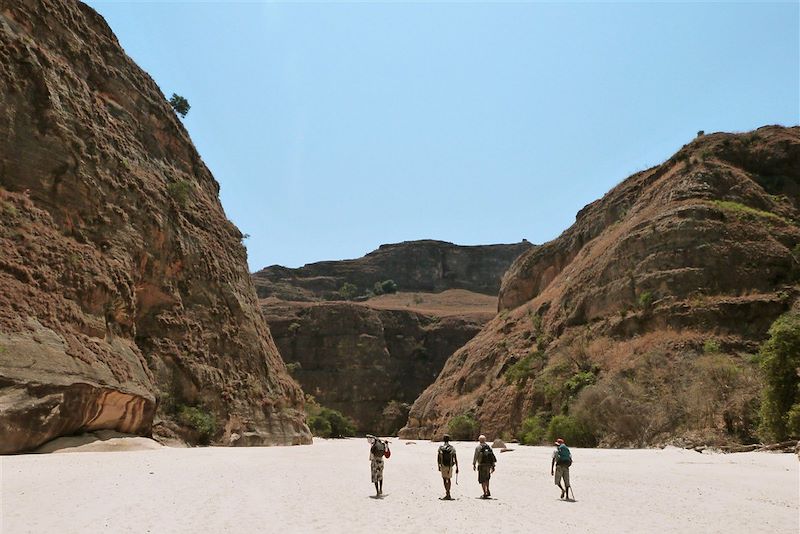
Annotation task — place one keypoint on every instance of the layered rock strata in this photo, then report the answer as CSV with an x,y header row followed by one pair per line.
x,y
641,320
122,283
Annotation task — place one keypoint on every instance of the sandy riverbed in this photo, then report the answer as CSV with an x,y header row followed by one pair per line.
x,y
326,488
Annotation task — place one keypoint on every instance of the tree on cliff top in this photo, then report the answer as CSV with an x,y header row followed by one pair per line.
x,y
780,362
179,104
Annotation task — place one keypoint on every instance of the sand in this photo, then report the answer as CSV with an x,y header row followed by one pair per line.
x,y
326,488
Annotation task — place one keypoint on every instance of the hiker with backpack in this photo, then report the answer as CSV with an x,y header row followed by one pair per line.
x,y
562,459
485,459
447,459
377,452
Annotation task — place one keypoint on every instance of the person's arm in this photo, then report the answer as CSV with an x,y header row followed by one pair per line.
x,y
439,459
552,464
455,460
475,457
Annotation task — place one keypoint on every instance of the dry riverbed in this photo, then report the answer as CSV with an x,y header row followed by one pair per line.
x,y
326,488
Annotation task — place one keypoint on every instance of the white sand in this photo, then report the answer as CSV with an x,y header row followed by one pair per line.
x,y
326,488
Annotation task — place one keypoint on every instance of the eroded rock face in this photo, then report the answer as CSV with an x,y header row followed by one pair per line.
x,y
356,359
121,280
659,288
424,266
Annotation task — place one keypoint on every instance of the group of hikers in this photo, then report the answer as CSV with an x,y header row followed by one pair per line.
x,y
483,461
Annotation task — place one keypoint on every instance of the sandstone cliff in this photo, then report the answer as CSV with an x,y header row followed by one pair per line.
x,y
639,323
122,283
365,361
426,266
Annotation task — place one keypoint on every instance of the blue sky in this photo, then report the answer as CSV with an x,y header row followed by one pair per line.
x,y
334,127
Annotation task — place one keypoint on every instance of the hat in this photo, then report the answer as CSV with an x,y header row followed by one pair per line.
x,y
559,441
446,437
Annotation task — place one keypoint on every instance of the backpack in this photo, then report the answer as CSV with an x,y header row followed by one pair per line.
x,y
564,456
487,455
378,448
446,456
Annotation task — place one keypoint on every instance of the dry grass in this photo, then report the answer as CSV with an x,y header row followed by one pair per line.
x,y
450,302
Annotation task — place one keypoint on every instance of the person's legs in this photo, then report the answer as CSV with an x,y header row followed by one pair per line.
x,y
559,474
566,481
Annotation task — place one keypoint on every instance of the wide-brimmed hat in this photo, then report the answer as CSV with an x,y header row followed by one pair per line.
x,y
559,441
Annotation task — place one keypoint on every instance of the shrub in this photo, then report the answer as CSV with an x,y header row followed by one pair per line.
x,y
199,420
573,431
293,367
179,104
520,372
711,346
389,286
645,300
179,191
330,424
377,289
463,427
578,381
348,291
532,431
746,212
780,359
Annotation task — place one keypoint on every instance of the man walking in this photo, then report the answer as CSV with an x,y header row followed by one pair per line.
x,y
562,459
485,459
447,459
377,452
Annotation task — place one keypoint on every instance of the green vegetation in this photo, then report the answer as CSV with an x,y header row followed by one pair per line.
x,y
327,423
8,208
348,291
179,104
780,360
740,210
179,191
294,328
711,346
573,431
533,431
389,286
645,300
520,372
578,381
199,420
463,427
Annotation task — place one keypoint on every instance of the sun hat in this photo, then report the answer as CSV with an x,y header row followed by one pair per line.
x,y
559,441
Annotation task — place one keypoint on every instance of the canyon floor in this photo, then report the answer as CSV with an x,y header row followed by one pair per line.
x,y
326,488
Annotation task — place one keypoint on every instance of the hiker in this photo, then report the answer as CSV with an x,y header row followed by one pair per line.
x,y
562,459
447,459
377,452
485,459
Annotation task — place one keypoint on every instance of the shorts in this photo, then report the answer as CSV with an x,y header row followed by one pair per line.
x,y
484,473
447,471
376,468
562,471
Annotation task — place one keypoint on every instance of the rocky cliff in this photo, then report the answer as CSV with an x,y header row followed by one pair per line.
x,y
122,283
639,324
363,361
425,266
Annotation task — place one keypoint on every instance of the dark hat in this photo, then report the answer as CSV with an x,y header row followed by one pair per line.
x,y
446,437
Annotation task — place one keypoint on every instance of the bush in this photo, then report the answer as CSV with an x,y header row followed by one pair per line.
x,y
179,104
199,420
389,287
327,423
573,431
293,367
578,381
377,289
645,300
463,427
532,431
780,359
711,346
179,191
520,372
348,291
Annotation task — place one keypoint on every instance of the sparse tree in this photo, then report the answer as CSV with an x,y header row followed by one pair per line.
x,y
179,104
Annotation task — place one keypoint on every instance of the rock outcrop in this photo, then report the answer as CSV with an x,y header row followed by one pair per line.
x,y
638,323
122,282
360,360
423,266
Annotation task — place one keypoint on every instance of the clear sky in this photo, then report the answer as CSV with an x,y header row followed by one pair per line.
x,y
333,127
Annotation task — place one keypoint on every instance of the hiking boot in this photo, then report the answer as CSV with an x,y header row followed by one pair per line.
x,y
563,492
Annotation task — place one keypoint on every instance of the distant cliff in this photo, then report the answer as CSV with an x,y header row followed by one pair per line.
x,y
426,266
640,324
124,290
